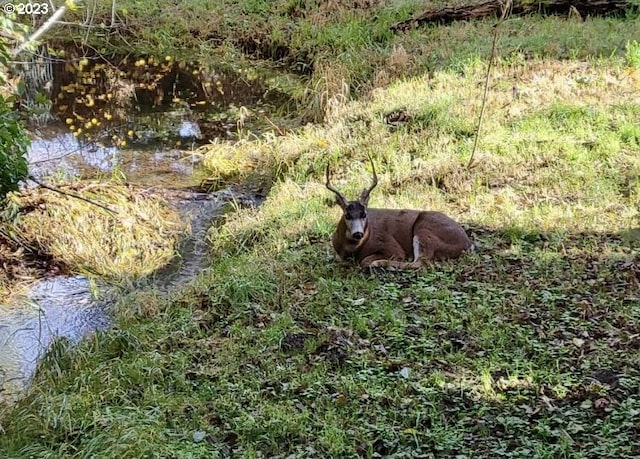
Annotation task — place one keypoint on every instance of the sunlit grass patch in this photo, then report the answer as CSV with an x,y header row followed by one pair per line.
x,y
632,54
557,147
138,235
288,214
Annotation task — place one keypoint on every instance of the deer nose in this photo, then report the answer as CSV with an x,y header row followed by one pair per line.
x,y
357,236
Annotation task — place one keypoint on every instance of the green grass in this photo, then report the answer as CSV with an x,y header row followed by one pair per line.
x,y
526,348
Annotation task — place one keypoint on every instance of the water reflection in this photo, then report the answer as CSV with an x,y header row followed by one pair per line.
x,y
61,154
59,307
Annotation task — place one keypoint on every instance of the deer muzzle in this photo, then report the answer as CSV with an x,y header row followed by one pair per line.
x,y
357,228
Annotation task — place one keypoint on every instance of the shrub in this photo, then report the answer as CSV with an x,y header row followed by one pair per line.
x,y
13,138
13,148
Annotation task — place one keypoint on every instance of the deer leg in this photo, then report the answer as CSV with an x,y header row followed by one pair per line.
x,y
422,249
396,265
394,257
372,261
376,261
343,261
416,248
434,248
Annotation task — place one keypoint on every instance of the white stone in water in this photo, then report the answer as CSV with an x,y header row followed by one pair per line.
x,y
189,129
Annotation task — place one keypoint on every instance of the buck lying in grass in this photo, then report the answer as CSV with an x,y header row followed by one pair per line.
x,y
389,238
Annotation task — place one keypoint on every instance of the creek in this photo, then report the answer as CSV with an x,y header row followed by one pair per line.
x,y
143,123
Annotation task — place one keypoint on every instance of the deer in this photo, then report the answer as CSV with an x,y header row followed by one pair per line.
x,y
393,238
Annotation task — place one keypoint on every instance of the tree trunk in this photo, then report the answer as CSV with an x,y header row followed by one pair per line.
x,y
494,8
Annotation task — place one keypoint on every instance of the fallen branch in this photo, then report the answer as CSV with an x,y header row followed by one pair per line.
x,y
522,7
38,33
71,195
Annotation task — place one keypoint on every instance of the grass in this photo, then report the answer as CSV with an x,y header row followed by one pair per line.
x,y
77,236
526,348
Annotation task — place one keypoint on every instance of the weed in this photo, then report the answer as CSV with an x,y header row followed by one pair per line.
x,y
632,54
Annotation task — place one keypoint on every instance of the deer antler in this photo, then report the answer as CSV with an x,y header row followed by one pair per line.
x,y
340,199
364,197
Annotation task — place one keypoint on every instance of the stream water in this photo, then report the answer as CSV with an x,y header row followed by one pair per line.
x,y
159,154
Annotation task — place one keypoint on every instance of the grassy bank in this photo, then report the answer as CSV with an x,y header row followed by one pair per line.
x,y
526,348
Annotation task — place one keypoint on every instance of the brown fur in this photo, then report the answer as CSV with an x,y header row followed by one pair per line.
x,y
389,239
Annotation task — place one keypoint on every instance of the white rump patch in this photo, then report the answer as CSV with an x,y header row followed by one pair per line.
x,y
416,248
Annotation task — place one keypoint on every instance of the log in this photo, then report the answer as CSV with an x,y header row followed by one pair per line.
x,y
494,8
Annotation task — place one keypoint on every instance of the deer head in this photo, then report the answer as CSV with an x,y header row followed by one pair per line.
x,y
354,213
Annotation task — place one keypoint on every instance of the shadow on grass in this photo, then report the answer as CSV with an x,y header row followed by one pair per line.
x,y
527,347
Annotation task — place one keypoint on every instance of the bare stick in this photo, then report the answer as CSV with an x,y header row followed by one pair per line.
x,y
43,28
505,10
71,195
113,12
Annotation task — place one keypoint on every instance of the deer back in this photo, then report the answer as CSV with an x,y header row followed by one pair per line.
x,y
391,232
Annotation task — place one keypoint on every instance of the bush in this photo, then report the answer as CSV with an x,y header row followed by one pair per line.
x,y
13,139
13,148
